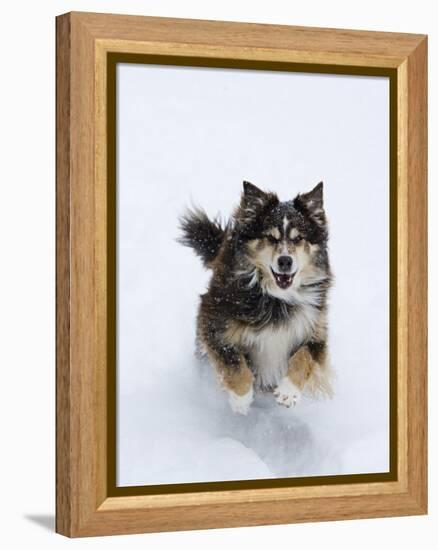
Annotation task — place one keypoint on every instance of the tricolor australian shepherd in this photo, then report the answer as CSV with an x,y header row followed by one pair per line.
x,y
263,321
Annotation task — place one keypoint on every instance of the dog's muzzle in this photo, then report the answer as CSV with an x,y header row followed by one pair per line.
x,y
283,280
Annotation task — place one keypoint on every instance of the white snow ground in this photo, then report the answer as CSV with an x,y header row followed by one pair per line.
x,y
193,135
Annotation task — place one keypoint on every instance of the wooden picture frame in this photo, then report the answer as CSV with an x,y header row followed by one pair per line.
x,y
88,46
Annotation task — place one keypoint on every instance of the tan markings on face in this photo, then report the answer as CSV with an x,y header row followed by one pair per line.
x,y
264,255
261,255
255,245
305,255
273,232
287,248
293,233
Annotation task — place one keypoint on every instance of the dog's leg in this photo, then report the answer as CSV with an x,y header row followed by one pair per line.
x,y
307,369
234,374
239,384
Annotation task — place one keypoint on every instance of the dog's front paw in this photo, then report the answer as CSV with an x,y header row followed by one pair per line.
x,y
286,393
240,403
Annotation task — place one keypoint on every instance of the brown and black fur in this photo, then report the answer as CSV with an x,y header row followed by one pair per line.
x,y
249,305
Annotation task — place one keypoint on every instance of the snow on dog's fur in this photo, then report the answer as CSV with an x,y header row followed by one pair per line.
x,y
262,322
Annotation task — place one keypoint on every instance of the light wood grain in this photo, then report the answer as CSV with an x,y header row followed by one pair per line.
x,y
63,402
402,268
227,35
83,40
417,275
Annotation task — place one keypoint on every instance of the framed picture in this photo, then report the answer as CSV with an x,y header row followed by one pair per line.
x,y
241,274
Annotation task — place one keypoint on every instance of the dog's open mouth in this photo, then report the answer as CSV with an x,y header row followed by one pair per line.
x,y
283,280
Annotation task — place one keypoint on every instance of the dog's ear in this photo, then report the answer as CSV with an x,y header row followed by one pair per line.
x,y
313,200
253,203
251,191
312,203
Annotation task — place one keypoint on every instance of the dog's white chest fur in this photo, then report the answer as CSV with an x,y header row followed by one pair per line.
x,y
270,348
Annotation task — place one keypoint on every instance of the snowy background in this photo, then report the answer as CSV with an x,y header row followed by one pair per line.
x,y
189,135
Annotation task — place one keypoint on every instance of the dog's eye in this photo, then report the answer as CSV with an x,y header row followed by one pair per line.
x,y
297,239
272,239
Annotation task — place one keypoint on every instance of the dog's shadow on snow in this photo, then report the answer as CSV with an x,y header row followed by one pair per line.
x,y
181,429
276,434
282,440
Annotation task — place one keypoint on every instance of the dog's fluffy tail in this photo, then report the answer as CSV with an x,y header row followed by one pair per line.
x,y
201,234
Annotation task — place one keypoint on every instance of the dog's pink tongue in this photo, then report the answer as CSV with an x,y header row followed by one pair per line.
x,y
283,280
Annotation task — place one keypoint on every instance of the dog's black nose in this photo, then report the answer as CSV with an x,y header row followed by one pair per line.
x,y
284,263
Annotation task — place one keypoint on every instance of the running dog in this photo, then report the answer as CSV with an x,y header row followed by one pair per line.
x,y
263,321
